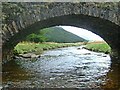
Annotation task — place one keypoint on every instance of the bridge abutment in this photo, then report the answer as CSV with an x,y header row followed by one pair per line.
x,y
7,55
115,55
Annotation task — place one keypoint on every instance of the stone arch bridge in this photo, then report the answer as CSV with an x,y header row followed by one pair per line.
x,y
22,18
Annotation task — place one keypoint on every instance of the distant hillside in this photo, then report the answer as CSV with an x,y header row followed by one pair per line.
x,y
58,34
54,34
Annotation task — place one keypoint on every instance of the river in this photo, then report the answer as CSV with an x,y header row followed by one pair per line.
x,y
69,67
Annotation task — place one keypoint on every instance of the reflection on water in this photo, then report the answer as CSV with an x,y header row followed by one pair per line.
x,y
64,68
12,72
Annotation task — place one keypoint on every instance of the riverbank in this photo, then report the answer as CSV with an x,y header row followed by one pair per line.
x,y
25,48
34,50
98,47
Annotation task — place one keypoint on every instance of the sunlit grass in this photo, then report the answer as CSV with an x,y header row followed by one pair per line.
x,y
99,47
38,48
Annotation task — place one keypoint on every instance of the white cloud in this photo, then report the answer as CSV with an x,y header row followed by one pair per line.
x,y
82,33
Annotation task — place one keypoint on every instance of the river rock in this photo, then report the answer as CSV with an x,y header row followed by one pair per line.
x,y
87,53
104,56
35,56
52,78
99,54
16,57
78,48
29,55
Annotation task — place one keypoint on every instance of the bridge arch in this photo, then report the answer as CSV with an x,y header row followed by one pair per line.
x,y
104,28
107,29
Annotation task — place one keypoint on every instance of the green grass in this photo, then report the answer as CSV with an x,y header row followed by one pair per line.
x,y
38,48
99,47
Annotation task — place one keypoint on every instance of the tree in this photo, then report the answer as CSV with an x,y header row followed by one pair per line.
x,y
42,36
33,38
37,37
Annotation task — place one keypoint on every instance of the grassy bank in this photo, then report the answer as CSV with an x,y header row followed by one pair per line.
x,y
38,48
99,47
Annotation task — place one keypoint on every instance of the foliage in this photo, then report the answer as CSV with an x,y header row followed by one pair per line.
x,y
37,37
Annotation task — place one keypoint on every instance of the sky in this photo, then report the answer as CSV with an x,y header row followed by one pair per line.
x,y
82,33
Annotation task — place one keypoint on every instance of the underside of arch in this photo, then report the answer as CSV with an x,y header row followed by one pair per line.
x,y
104,28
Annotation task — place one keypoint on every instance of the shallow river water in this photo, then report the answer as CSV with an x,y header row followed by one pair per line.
x,y
70,67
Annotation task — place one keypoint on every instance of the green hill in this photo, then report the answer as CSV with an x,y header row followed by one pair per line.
x,y
58,34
